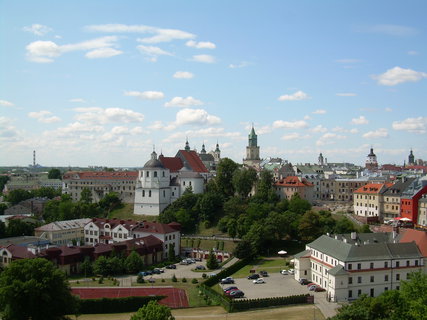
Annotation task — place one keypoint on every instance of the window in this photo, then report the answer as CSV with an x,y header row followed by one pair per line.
x,y
359,292
155,174
386,264
397,264
350,280
149,193
386,277
386,289
143,193
359,266
407,263
372,279
372,292
359,279
397,276
350,294
164,193
371,265
416,263
163,173
397,287
350,266
148,174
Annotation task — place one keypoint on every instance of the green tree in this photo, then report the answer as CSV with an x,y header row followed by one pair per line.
x,y
54,174
2,230
209,206
133,263
235,206
17,228
116,265
101,266
365,229
224,177
310,226
344,225
212,262
47,192
86,195
18,195
110,202
35,289
243,250
414,295
171,252
3,207
153,311
232,227
264,190
86,267
243,181
3,181
298,205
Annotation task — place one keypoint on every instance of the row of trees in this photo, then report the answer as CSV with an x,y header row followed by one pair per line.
x,y
17,228
18,195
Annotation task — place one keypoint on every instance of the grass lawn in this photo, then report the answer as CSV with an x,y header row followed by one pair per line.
x,y
306,312
271,265
208,244
126,212
90,283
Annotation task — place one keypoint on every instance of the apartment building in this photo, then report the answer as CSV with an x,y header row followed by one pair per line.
x,y
368,200
391,198
63,232
287,187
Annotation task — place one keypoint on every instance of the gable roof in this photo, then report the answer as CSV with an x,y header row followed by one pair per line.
x,y
174,164
193,160
373,188
417,236
101,175
293,181
397,189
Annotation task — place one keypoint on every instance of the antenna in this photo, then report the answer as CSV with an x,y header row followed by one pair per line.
x,y
34,158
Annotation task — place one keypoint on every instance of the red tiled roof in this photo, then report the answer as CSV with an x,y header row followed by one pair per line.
x,y
145,226
193,160
101,175
372,188
19,252
293,181
172,163
128,224
419,237
154,227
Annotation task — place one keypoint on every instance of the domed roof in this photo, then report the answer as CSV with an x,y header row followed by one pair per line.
x,y
153,162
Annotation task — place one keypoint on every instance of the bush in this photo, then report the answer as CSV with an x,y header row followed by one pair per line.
x,y
163,280
184,280
114,305
101,280
140,279
174,279
204,275
194,281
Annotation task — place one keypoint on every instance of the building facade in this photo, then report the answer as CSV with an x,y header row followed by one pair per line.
x,y
287,187
252,151
63,232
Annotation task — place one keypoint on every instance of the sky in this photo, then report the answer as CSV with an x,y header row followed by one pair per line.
x,y
103,83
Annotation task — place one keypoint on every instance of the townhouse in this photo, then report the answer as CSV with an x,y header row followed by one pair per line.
x,y
287,187
410,197
391,198
368,200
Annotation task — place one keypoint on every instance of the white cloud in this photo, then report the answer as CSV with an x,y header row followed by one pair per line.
x,y
388,29
183,102
360,120
298,95
295,136
159,34
329,138
341,129
77,100
299,124
346,94
37,29
158,125
73,129
414,125
46,51
44,116
239,65
5,103
318,128
195,117
379,133
398,75
103,53
388,109
319,111
108,115
205,58
153,52
200,45
183,75
147,95
413,53
7,130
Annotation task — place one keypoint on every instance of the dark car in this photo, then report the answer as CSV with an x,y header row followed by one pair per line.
x,y
319,289
227,281
236,294
253,276
200,267
146,273
263,273
230,288
171,266
157,271
304,281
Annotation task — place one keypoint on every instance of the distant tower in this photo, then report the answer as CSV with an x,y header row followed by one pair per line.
x,y
187,145
320,160
217,153
34,158
371,161
411,159
252,150
203,151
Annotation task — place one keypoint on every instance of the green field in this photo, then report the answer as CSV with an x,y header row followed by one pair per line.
x,y
126,212
208,244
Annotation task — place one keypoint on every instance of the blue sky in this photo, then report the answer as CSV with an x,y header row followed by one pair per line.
x,y
101,82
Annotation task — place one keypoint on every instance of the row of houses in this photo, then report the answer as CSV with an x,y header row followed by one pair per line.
x,y
349,265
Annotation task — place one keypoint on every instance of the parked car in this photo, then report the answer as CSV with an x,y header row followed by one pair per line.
x,y
263,273
291,271
259,280
304,281
312,287
200,267
236,294
190,260
213,274
171,266
319,289
184,262
310,284
227,280
156,271
253,276
284,272
146,273
230,288
198,259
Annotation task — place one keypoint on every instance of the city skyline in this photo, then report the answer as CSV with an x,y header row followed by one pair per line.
x,y
102,82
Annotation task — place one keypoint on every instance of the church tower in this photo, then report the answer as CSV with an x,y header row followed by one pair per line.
x,y
411,159
320,160
187,145
252,150
217,153
371,161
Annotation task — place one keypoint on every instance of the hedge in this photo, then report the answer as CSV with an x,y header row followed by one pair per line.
x,y
227,272
114,305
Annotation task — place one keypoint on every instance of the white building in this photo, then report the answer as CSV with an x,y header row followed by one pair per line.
x,y
347,266
63,232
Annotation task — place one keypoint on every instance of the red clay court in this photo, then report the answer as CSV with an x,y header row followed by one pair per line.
x,y
175,298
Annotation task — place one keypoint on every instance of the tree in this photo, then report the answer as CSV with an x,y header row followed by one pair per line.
x,y
17,228
212,262
133,263
310,227
86,195
3,207
298,205
209,206
86,267
47,192
110,202
101,266
224,177
264,191
54,174
3,181
153,311
243,250
344,225
18,195
243,181
171,252
2,230
35,289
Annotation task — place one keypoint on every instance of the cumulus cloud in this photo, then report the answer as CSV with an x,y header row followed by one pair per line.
x,y
239,65
152,52
7,130
146,95
295,136
37,29
298,95
346,94
341,129
200,45
159,125
195,117
414,125
398,75
75,129
319,111
329,138
183,75
388,109
6,103
44,116
204,58
46,51
159,34
360,120
379,133
103,53
108,115
183,102
318,128
299,124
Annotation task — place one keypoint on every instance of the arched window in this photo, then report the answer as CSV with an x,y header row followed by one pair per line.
x,y
155,174
148,174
